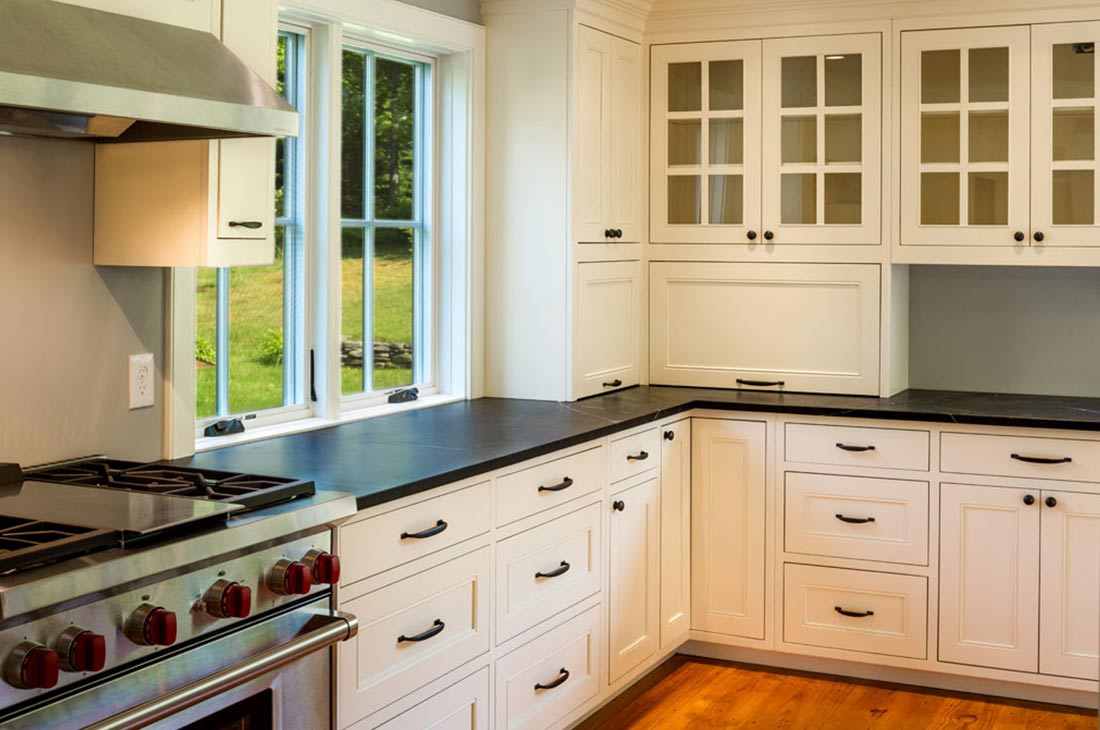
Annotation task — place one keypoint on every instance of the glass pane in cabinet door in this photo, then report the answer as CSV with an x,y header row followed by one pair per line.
x,y
685,142
1074,70
799,140
939,198
685,87
988,199
1074,134
727,88
940,77
727,141
1073,197
799,84
844,80
989,136
726,200
939,137
843,198
798,199
843,138
683,200
988,74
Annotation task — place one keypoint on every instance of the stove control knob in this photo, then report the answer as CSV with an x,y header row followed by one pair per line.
x,y
80,650
226,599
290,578
324,567
152,625
31,666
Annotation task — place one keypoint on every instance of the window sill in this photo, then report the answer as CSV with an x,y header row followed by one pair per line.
x,y
313,424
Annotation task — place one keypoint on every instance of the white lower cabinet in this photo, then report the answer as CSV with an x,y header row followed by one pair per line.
x,y
634,596
675,517
462,706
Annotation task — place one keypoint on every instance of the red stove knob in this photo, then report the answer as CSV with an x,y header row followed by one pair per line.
x,y
31,666
226,599
152,625
324,567
80,650
291,578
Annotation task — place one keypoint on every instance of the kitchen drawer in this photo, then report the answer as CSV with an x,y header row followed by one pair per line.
x,y
856,517
1016,456
635,454
881,448
570,544
530,691
462,706
376,544
896,608
538,488
443,613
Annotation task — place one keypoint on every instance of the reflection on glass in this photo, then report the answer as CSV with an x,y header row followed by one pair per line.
x,y
799,140
798,199
685,87
989,136
685,142
352,245
683,200
799,84
727,141
394,128
393,308
988,199
353,145
939,77
206,338
727,85
988,74
843,138
1073,197
843,198
726,196
844,80
939,137
1074,134
939,198
1074,70
256,336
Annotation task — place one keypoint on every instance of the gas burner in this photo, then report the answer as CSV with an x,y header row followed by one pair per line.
x,y
25,543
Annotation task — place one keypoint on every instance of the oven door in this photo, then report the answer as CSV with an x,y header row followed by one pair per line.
x,y
274,674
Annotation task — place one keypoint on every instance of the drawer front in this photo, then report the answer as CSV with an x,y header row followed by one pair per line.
x,y
538,488
880,448
633,455
443,615
382,542
530,691
884,520
884,613
462,706
542,571
1020,456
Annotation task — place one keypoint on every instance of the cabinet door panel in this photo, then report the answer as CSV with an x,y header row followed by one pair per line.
x,y
675,533
462,706
634,591
608,326
626,140
593,134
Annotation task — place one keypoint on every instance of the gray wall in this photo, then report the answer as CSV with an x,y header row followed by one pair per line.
x,y
67,327
1005,329
466,9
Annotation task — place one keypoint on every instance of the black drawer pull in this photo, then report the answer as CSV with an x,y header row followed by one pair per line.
x,y
855,520
251,225
613,384
1041,459
430,532
563,484
856,449
762,383
640,456
853,614
435,630
555,572
563,675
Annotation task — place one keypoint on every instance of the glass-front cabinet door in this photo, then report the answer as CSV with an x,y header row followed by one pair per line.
x,y
964,137
822,111
705,130
1065,126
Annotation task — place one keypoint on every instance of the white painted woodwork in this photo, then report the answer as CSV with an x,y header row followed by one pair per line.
x,y
377,539
634,454
897,626
814,504
201,15
989,577
529,491
973,453
728,518
627,168
634,587
593,134
609,310
675,515
712,324
524,600
462,706
1069,633
820,444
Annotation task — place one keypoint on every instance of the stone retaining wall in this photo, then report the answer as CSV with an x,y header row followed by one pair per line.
x,y
386,354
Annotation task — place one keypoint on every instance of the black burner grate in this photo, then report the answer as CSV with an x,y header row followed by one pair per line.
x,y
25,543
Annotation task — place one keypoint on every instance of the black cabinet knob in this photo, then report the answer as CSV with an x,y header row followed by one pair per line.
x,y
768,235
618,505
670,435
1039,236
751,235
1019,236
1029,499
1051,502
608,233
618,233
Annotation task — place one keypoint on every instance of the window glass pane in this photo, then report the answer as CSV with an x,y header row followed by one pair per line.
x,y
280,142
727,141
1074,134
939,198
683,200
685,87
799,140
939,77
843,138
844,80
394,130
843,198
799,83
1074,70
988,74
1073,197
353,140
727,85
393,307
726,200
939,137
798,199
989,136
988,199
256,335
206,338
685,142
352,245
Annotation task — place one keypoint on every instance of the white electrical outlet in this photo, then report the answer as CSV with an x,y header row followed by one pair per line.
x,y
141,381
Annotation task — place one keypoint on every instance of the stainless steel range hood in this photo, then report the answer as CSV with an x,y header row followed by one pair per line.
x,y
69,71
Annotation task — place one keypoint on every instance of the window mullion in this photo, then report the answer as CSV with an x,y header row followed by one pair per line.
x,y
369,212
221,358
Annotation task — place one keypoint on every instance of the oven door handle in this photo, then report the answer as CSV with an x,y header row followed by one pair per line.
x,y
339,627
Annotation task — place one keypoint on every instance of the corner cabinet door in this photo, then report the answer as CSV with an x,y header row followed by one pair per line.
x,y
608,327
989,577
728,519
822,140
627,154
965,96
1069,635
675,534
634,592
1065,131
705,156
592,161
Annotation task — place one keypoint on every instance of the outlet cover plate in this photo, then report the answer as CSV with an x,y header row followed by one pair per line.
x,y
142,377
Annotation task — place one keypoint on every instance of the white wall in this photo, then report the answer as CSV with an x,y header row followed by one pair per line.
x,y
465,9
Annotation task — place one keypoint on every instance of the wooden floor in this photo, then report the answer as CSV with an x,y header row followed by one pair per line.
x,y
701,694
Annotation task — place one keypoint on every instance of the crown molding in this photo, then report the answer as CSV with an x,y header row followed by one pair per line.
x,y
629,16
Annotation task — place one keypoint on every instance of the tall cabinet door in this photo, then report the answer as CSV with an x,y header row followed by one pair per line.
x,y
633,599
592,175
627,168
1065,127
705,158
1069,635
608,317
822,140
728,527
964,137
989,577
675,533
